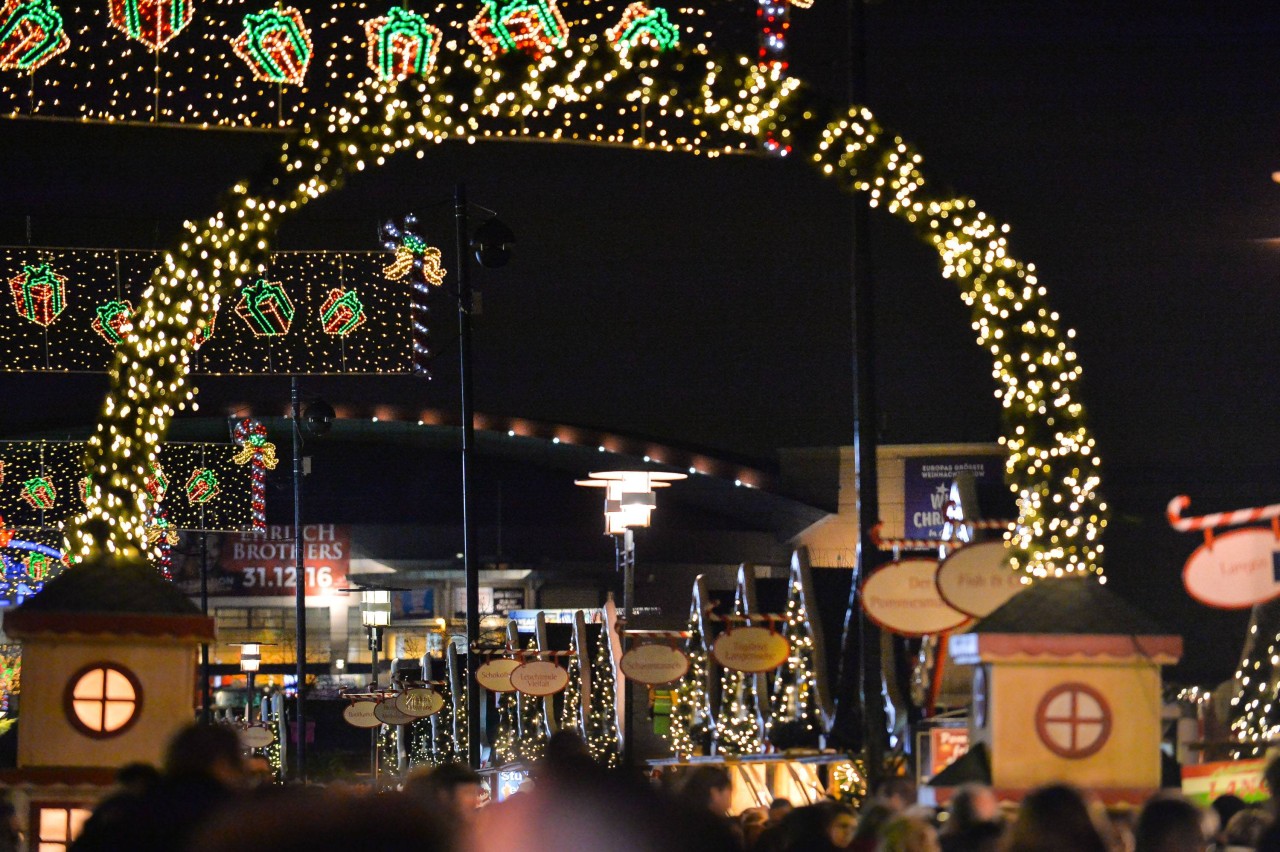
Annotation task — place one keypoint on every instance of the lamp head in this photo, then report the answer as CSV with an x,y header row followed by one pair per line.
x,y
493,243
318,417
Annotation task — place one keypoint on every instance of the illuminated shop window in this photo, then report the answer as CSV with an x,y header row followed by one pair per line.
x,y
57,826
103,699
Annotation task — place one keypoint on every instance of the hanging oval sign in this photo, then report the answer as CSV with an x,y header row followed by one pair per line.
x,y
495,675
903,598
654,664
256,736
1234,571
360,714
751,649
419,703
539,677
388,712
977,579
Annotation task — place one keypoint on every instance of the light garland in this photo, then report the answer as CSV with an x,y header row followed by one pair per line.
x,y
1051,464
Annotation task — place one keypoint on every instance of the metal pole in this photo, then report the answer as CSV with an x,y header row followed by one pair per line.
x,y
248,704
860,714
300,580
373,687
205,696
626,556
470,568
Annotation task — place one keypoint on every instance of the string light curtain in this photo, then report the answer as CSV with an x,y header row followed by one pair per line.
x,y
309,312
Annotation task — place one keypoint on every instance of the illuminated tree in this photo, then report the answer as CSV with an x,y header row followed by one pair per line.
x,y
602,723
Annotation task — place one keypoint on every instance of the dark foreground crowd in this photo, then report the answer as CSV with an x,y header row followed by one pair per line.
x,y
208,798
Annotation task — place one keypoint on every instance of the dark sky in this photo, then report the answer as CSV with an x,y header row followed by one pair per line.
x,y
1130,145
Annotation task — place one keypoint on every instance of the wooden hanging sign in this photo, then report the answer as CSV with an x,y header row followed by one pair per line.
x,y
654,664
539,677
388,712
419,703
495,675
751,649
361,715
256,736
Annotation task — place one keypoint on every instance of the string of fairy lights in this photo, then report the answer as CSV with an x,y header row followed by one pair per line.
x,y
310,312
1051,463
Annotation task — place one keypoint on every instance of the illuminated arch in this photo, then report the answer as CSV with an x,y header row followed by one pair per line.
x,y
1051,464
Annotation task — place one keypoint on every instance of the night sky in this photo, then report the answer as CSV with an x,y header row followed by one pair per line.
x,y
706,302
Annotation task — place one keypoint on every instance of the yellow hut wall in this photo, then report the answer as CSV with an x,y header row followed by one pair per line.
x,y
166,673
1130,756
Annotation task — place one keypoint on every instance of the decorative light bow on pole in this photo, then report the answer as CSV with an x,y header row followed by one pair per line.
x,y
251,437
420,263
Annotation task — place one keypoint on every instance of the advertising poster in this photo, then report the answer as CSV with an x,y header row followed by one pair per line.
x,y
927,484
252,565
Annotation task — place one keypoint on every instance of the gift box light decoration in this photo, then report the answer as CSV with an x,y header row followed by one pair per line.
x,y
31,34
59,489
1051,461
108,285
39,492
113,321
202,487
152,22
276,46
641,25
535,27
266,307
342,312
402,44
39,293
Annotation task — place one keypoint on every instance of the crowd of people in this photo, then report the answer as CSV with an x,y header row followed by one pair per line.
x,y
209,798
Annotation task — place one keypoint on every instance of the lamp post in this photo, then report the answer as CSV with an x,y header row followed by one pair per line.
x,y
491,243
250,660
375,614
629,502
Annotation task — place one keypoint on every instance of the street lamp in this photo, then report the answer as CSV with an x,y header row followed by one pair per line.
x,y
250,662
492,245
629,502
375,614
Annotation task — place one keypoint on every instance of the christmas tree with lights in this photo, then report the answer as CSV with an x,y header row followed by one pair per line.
x,y
691,720
571,698
737,718
602,722
795,718
1255,707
